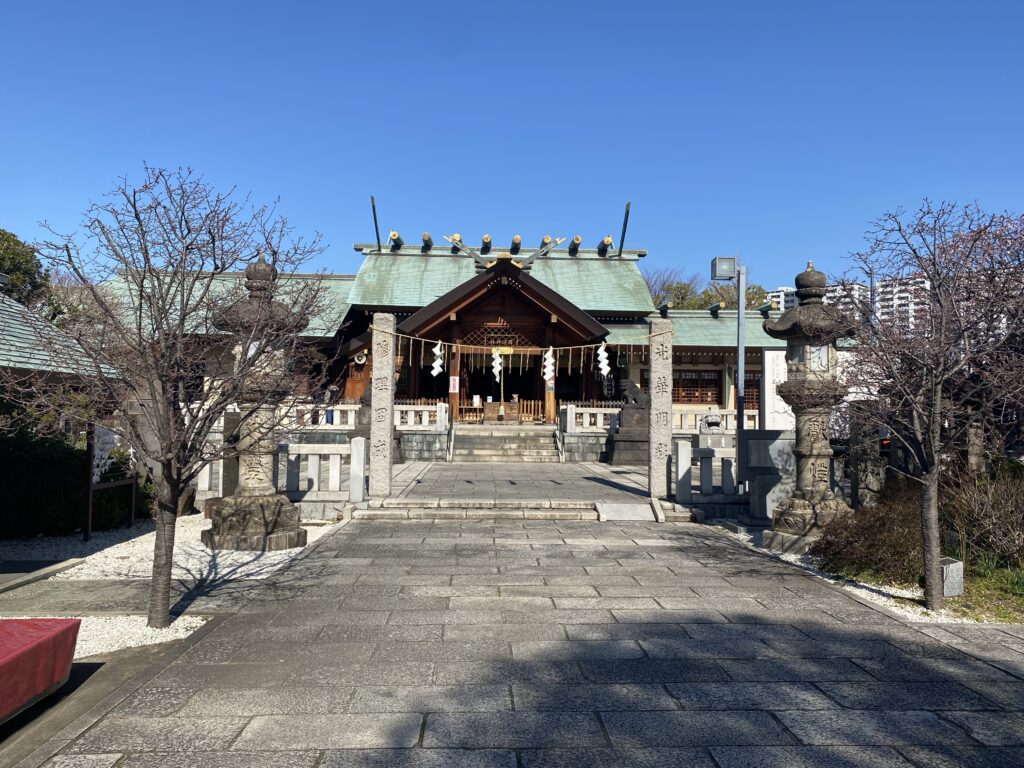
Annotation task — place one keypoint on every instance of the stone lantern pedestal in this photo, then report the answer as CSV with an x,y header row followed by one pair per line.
x,y
812,390
257,517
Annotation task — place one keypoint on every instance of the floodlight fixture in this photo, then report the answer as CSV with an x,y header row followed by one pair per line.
x,y
724,268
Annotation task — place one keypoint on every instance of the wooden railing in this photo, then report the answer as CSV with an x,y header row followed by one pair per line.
x,y
531,411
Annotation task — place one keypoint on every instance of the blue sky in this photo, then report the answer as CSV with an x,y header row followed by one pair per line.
x,y
777,130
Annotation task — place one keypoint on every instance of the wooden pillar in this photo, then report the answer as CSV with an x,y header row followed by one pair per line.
x,y
414,363
550,410
454,371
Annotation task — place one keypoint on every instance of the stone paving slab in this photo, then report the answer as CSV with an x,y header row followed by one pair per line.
x,y
480,643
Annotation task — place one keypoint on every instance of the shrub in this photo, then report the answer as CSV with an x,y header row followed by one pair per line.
x,y
986,511
44,486
881,541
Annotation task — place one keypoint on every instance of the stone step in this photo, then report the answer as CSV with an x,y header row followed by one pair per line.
x,y
414,502
507,446
511,453
474,514
503,459
466,432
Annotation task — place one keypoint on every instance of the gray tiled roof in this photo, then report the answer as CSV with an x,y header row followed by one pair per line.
x,y
29,342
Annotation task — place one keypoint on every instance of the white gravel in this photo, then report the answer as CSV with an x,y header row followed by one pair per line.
x,y
106,634
128,553
879,594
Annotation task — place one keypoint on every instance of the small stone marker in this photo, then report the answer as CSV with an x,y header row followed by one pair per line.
x,y
659,432
382,404
684,472
357,470
728,477
952,577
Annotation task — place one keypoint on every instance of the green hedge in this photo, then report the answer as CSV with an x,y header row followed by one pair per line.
x,y
43,483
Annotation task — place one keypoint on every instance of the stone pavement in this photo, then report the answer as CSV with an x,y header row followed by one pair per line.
x,y
479,643
588,481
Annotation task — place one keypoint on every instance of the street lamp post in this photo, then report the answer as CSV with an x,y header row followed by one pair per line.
x,y
724,269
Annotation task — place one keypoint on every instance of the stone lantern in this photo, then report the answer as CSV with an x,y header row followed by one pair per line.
x,y
257,517
812,390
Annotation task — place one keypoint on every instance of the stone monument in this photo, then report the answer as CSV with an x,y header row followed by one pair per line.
x,y
382,405
812,390
257,517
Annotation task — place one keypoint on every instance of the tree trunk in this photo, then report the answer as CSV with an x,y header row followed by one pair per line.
x,y
930,545
165,508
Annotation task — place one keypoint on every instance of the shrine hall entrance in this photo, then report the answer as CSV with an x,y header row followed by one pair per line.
x,y
502,311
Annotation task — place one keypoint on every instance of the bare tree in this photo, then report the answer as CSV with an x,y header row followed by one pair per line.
x,y
670,284
154,273
941,367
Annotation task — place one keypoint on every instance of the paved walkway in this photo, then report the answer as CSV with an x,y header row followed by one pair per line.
x,y
560,482
479,643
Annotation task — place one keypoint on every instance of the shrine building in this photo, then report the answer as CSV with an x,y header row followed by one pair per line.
x,y
521,302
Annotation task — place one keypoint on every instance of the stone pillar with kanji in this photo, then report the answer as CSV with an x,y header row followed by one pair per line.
x,y
382,405
812,389
659,429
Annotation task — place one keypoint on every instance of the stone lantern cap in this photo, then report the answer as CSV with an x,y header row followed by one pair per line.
x,y
812,319
259,308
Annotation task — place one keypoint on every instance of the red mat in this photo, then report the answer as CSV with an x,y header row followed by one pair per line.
x,y
35,660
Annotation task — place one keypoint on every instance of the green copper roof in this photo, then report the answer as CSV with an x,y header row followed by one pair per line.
x,y
698,328
600,286
29,343
228,285
400,280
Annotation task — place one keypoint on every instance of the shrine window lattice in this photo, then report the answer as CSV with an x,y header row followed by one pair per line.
x,y
497,337
705,387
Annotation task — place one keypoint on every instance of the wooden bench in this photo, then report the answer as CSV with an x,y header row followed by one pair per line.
x,y
35,660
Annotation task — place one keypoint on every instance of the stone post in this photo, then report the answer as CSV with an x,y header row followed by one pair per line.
x,y
382,405
707,471
357,470
570,419
684,471
660,423
728,477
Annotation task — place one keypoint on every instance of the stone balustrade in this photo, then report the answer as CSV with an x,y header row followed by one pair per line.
x,y
576,419
421,418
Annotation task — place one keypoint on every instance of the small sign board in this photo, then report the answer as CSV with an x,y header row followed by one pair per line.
x,y
503,350
453,384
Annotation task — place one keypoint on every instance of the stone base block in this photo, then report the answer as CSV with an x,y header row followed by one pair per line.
x,y
254,542
254,524
789,543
